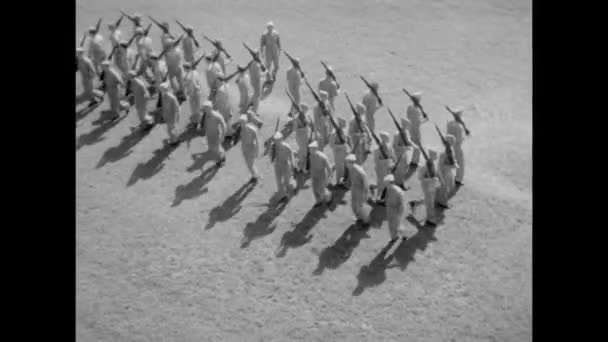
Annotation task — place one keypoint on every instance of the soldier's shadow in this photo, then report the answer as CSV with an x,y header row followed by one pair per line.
x,y
335,255
377,215
230,207
82,113
199,160
404,253
95,135
195,188
263,225
124,149
374,273
153,166
300,235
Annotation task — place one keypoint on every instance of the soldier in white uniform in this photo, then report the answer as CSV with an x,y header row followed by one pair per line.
x,y
215,131
429,181
360,136
255,76
447,166
282,157
87,76
455,129
294,81
359,189
403,151
270,47
322,124
395,207
303,132
96,51
371,106
330,87
141,97
188,45
414,116
320,173
250,145
192,85
339,152
170,113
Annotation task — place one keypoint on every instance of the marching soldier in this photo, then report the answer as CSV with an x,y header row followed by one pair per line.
x,y
188,45
87,75
255,76
360,136
320,172
339,151
303,136
113,83
371,106
270,47
455,129
158,70
213,72
294,80
250,145
170,107
220,56
395,207
414,116
193,90
221,103
165,36
136,20
115,34
329,85
359,189
120,58
173,59
383,165
215,131
242,82
447,172
403,151
143,43
141,97
96,52
430,183
282,156
322,124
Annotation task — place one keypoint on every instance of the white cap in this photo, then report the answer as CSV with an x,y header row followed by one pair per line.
x,y
243,118
132,73
405,123
385,137
270,24
417,95
323,94
389,178
164,86
351,158
458,111
105,63
207,104
450,139
277,136
79,50
313,144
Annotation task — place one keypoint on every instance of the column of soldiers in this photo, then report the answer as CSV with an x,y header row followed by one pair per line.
x,y
134,77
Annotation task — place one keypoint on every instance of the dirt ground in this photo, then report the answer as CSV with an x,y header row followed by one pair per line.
x,y
169,250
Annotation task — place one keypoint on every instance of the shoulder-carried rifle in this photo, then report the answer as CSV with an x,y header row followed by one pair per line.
x,y
373,90
380,146
318,99
301,115
238,71
218,46
190,34
459,120
255,56
448,149
399,128
147,30
196,63
357,118
170,47
84,37
430,166
116,46
117,23
132,19
98,26
270,144
416,103
331,74
162,27
295,63
393,169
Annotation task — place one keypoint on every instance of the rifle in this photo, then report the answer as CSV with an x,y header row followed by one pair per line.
x,y
331,74
295,64
84,37
399,128
147,30
301,115
172,46
416,103
238,71
217,46
459,120
318,99
448,149
116,46
195,64
133,20
357,118
162,27
254,56
373,90
312,133
117,23
98,26
190,34
380,146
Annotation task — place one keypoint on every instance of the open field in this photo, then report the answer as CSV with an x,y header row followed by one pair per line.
x,y
159,252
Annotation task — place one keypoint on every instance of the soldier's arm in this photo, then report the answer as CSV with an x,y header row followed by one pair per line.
x,y
262,43
279,42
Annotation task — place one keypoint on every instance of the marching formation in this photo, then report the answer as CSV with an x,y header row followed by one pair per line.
x,y
133,76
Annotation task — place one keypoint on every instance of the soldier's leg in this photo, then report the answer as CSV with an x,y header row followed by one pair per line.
x,y
268,60
275,61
